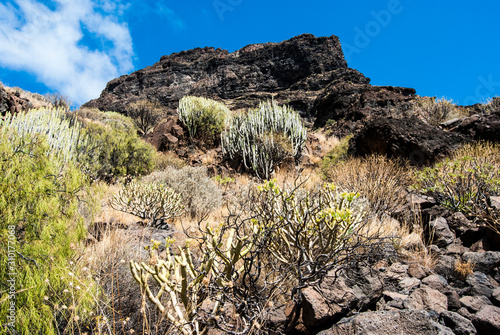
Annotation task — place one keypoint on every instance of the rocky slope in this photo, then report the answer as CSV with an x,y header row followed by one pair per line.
x,y
305,72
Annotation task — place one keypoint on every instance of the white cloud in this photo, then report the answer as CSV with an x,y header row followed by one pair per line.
x,y
48,42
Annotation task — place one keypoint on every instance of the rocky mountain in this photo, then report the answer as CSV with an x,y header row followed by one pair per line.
x,y
306,72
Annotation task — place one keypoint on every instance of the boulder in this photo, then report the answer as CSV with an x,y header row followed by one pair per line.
x,y
427,298
487,320
474,303
458,324
442,235
415,322
410,139
339,292
485,261
479,127
479,284
436,282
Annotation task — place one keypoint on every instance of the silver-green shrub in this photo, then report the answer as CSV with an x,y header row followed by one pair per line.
x,y
204,117
154,202
262,138
62,133
200,194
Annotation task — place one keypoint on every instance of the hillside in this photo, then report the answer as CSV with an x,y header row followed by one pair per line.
x,y
271,190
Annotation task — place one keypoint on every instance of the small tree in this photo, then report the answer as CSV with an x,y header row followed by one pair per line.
x,y
146,114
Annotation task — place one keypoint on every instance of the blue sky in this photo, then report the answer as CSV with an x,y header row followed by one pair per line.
x,y
447,49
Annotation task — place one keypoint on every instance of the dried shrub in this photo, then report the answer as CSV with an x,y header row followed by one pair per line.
x,y
146,114
200,194
382,181
463,269
436,111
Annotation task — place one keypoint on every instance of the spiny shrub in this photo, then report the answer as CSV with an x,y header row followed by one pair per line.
x,y
262,138
146,114
39,233
436,111
203,117
465,181
200,194
308,231
112,153
382,181
154,202
244,261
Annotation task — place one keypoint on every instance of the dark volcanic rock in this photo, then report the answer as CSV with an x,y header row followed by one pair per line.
x,y
416,322
409,138
242,78
307,73
479,127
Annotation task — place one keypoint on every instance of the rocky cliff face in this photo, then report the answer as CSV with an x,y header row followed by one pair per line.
x,y
12,102
305,72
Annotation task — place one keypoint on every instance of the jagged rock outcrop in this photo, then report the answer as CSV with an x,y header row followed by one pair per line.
x,y
308,73
12,102
478,126
407,138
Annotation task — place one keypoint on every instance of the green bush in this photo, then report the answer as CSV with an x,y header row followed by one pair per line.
x,y
262,138
465,181
200,194
335,155
203,117
309,232
39,232
112,153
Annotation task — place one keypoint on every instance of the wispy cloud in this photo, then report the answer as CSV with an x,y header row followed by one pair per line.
x,y
74,47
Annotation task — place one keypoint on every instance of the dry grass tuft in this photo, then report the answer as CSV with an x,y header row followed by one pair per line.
x,y
463,269
383,182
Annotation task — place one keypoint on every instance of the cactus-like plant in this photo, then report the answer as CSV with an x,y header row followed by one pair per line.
x,y
262,138
62,133
154,202
203,116
309,231
186,284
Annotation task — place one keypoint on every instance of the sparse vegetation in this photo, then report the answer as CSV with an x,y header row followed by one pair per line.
x,y
335,155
